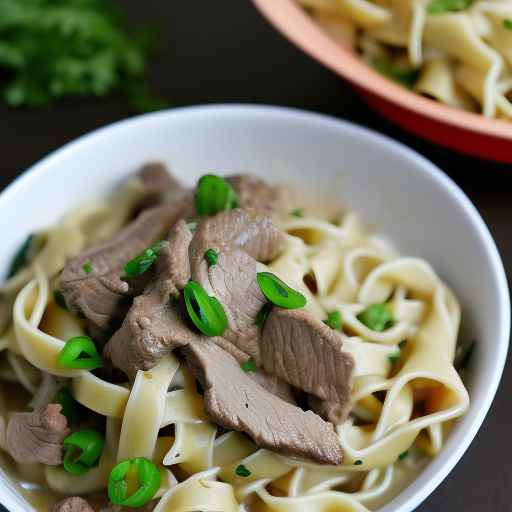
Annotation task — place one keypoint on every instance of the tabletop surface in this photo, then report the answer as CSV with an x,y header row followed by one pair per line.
x,y
215,52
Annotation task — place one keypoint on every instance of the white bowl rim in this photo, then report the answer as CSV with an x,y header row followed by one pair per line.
x,y
10,499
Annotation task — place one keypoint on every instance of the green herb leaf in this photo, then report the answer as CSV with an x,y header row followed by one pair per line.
x,y
242,471
211,256
59,299
143,262
21,258
278,292
249,366
334,320
395,357
262,315
402,76
68,48
442,6
403,455
213,195
87,268
376,317
297,212
507,24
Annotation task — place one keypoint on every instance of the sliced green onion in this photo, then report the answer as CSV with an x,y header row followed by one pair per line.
x,y
143,262
262,315
249,366
82,451
59,299
358,462
403,455
334,320
213,195
376,317
206,312
211,256
395,357
80,353
148,476
242,471
278,292
507,24
441,6
70,407
87,267
297,212
21,257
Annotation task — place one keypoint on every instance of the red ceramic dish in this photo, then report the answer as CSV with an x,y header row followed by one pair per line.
x,y
466,132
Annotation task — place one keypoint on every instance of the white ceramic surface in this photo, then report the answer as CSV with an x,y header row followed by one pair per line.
x,y
394,189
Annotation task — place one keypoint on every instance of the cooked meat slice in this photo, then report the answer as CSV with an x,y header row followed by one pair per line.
x,y
47,390
240,237
149,507
332,411
100,295
37,436
273,385
234,402
307,354
153,326
159,185
251,231
74,504
255,193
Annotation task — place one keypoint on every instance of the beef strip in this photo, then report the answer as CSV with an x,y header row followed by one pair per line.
x,y
101,295
233,401
273,385
37,436
309,355
241,237
157,182
74,504
154,326
118,508
253,192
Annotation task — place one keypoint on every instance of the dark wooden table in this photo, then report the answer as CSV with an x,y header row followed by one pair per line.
x,y
215,52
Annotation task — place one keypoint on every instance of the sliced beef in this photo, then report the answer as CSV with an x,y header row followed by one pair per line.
x,y
47,390
253,192
233,401
37,436
74,504
158,184
101,295
153,325
274,385
335,412
309,355
241,237
149,507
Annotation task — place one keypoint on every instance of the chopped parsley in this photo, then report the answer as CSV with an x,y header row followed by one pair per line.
x,y
242,471
395,357
297,212
249,366
403,455
442,6
334,320
59,299
403,76
507,24
87,268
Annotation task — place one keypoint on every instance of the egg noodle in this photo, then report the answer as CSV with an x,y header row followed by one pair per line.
x,y
405,397
459,53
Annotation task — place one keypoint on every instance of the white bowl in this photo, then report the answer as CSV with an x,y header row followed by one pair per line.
x,y
394,189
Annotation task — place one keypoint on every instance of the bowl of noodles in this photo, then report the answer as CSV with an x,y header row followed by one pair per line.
x,y
441,69
241,308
